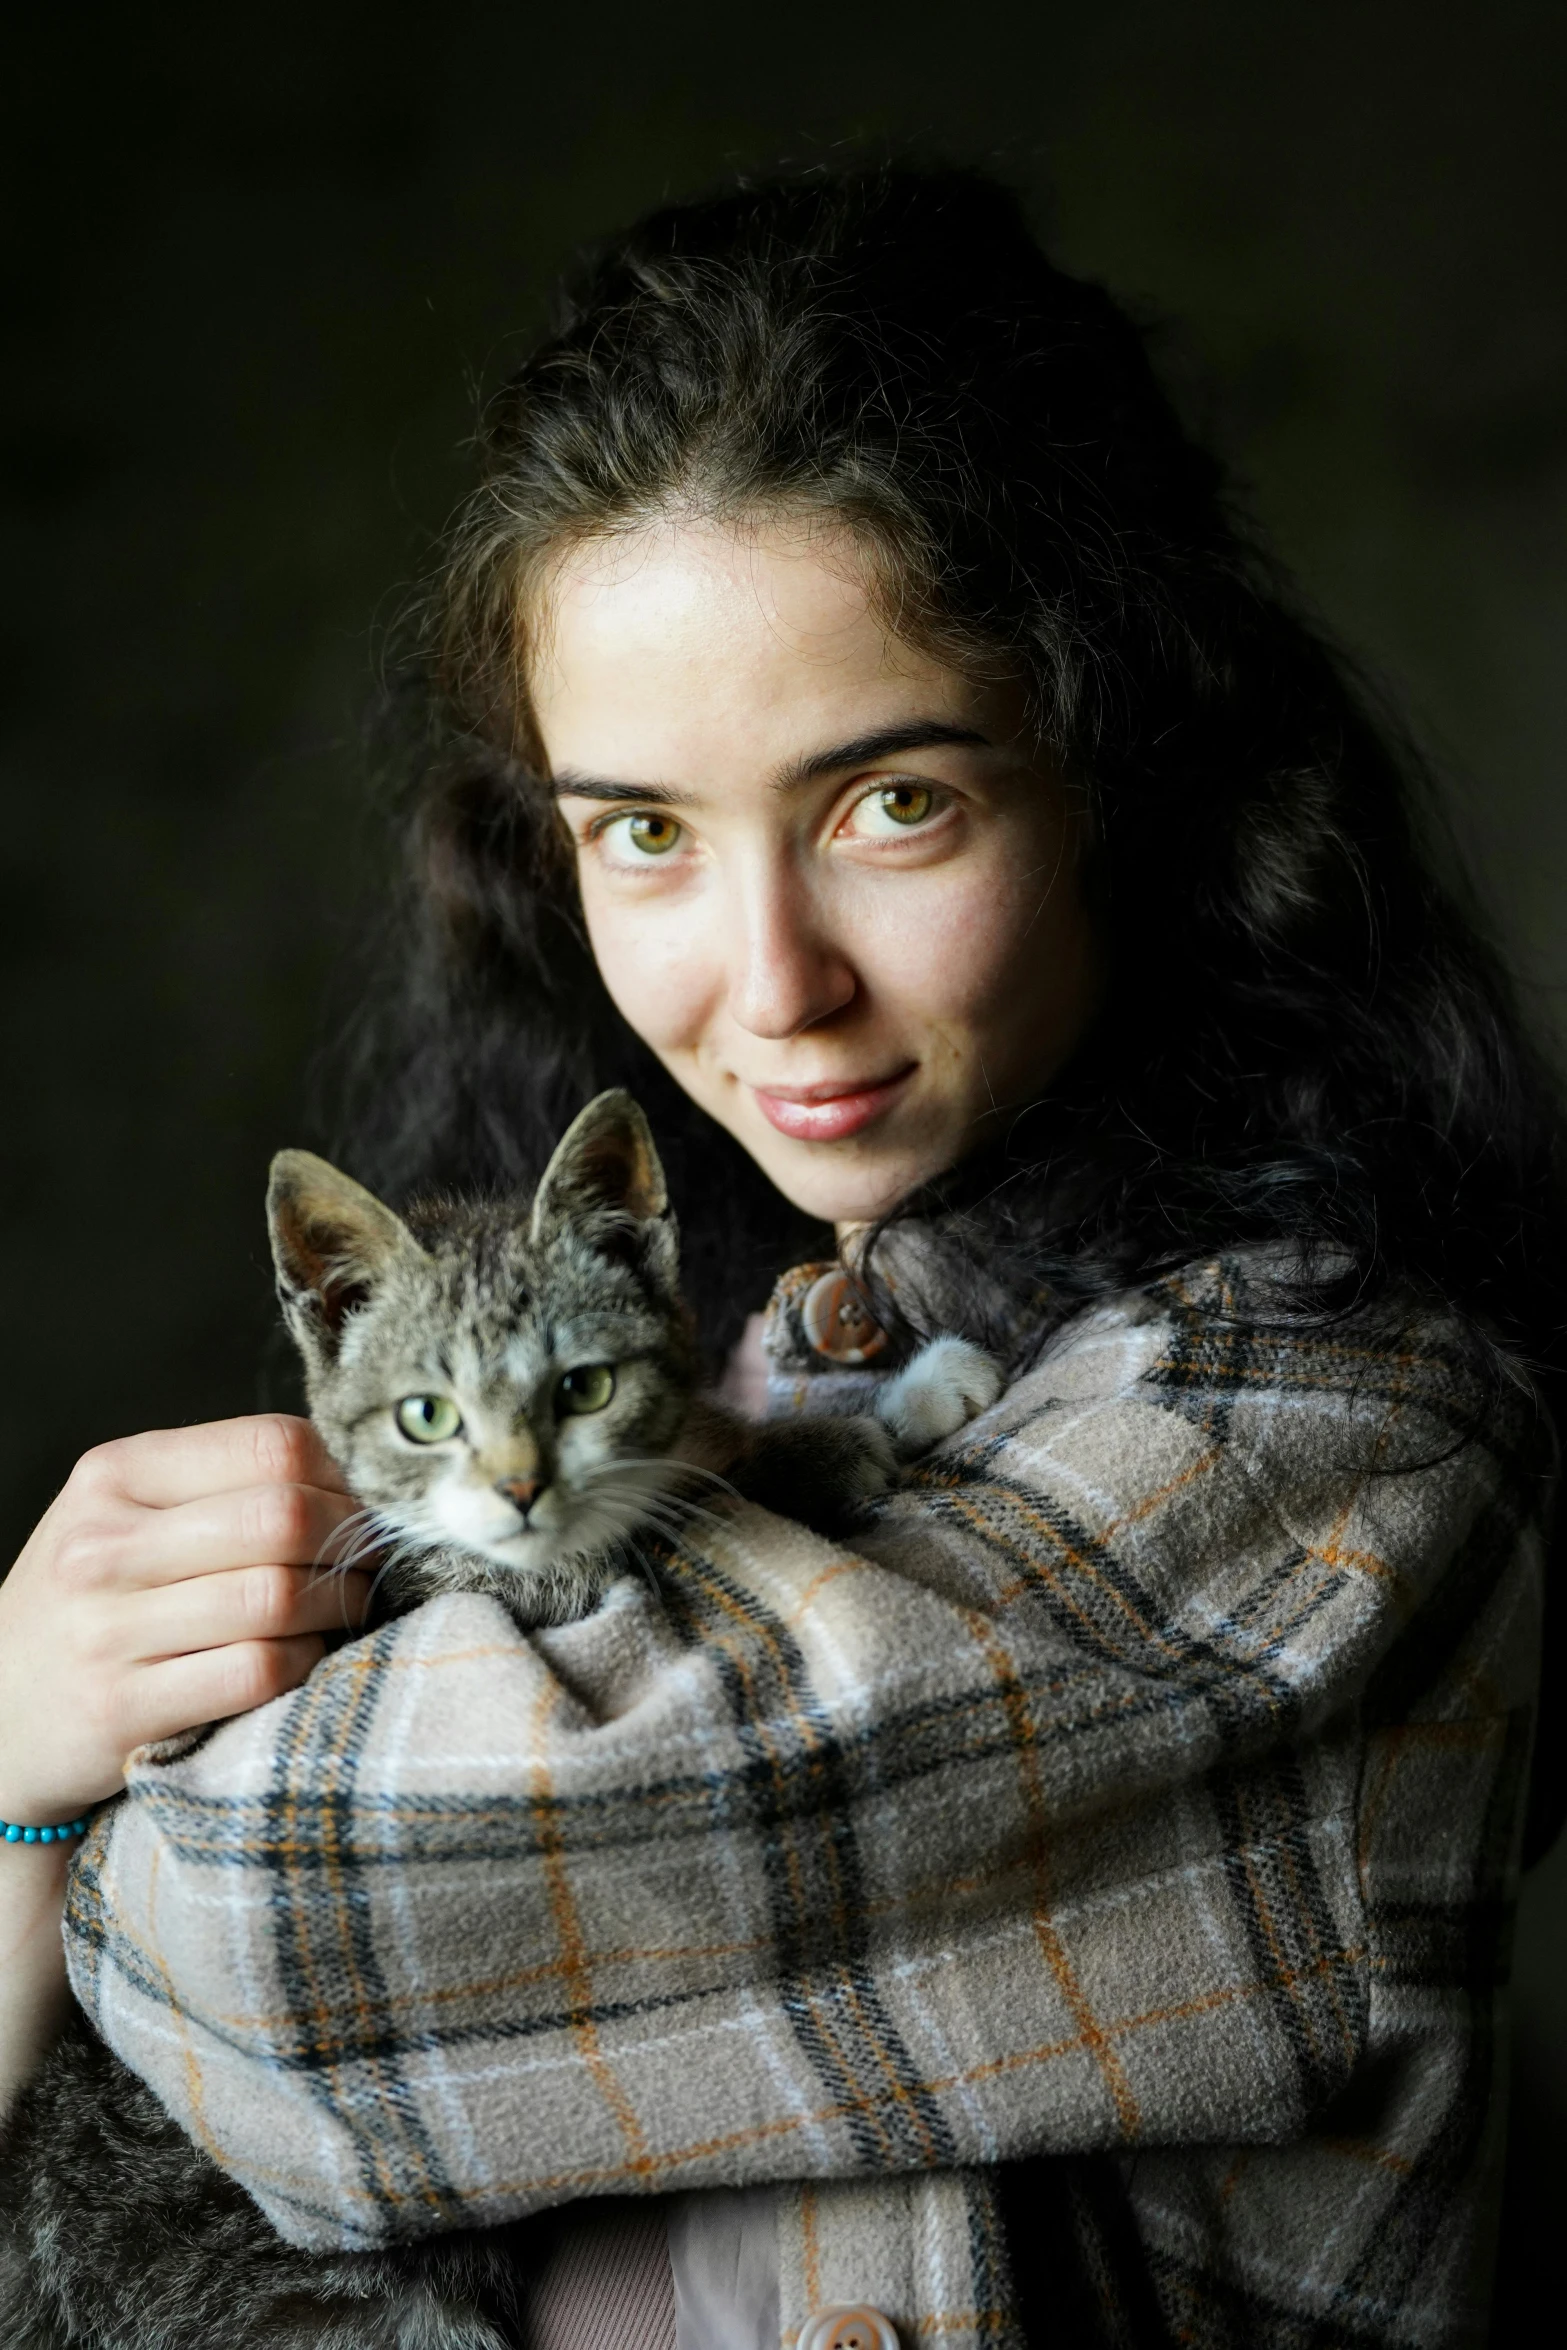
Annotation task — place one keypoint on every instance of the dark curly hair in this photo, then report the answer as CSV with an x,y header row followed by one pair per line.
x,y
1306,1036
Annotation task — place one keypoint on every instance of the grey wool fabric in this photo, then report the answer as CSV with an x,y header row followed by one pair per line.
x,y
1141,1788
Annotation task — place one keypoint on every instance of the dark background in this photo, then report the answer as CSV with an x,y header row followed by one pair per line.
x,y
257,265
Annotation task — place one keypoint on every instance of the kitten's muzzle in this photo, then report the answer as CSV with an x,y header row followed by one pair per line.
x,y
521,1492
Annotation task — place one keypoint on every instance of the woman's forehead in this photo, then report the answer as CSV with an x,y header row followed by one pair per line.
x,y
692,648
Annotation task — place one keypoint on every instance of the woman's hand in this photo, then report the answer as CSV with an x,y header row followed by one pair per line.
x,y
179,1577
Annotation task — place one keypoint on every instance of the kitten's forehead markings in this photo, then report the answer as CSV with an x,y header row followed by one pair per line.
x,y
417,1374
476,1364
526,1354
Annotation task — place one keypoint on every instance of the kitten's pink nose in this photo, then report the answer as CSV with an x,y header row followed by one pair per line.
x,y
521,1492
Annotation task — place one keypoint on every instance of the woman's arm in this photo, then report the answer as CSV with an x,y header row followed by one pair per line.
x,y
33,1996
174,1581
1031,1825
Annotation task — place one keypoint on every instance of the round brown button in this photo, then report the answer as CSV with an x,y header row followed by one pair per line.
x,y
842,2328
839,1324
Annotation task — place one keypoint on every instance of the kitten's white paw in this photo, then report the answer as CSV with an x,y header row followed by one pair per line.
x,y
945,1385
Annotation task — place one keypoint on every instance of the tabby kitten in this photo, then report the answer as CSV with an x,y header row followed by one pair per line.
x,y
511,1392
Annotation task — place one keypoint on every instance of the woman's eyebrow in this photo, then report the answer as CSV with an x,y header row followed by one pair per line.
x,y
567,784
914,734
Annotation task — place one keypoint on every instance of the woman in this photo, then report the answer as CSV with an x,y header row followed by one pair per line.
x,y
863,730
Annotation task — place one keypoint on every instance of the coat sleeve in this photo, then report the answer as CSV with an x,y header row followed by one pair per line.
x,y
1038,1821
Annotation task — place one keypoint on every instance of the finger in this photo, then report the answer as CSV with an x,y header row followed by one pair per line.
x,y
212,1683
244,1603
167,1466
269,1525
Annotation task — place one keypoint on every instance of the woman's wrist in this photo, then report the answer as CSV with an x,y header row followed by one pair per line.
x,y
33,1996
47,1832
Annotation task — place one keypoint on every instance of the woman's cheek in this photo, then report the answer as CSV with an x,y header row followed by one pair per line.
x,y
651,958
985,968
944,944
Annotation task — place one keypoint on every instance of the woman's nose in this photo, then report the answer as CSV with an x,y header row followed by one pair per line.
x,y
787,971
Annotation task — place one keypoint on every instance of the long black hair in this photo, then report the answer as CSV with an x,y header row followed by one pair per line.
x,y
1305,1035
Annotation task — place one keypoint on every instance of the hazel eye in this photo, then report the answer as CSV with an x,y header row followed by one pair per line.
x,y
428,1419
893,808
648,834
906,803
587,1389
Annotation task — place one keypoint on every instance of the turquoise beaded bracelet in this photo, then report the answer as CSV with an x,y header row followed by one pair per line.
x,y
11,1832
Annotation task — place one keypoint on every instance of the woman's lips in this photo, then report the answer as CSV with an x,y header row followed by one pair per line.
x,y
827,1113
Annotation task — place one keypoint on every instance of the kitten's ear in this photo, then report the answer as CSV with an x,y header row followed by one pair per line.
x,y
605,1178
331,1242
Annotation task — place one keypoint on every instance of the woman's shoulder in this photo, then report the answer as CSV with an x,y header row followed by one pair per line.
x,y
1213,1466
1276,1355
1276,1352
1249,1372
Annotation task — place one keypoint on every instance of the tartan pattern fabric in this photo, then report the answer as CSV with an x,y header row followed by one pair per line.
x,y
1142,1784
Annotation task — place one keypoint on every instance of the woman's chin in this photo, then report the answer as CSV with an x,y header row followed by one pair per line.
x,y
840,1183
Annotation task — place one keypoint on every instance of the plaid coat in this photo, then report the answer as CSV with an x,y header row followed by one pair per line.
x,y
1094,1883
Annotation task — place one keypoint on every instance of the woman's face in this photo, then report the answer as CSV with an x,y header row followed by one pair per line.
x,y
826,878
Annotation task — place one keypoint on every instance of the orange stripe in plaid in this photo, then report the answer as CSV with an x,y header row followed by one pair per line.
x,y
1040,1570
963,2321
910,2099
414,1810
1389,1747
921,1896
660,2170
481,1653
1332,1552
822,2015
1285,1855
1302,1347
757,1628
1022,1726
576,1974
1364,1562
852,1565
1022,1585
189,2062
376,2011
812,2245
1363,2150
341,1713
734,1644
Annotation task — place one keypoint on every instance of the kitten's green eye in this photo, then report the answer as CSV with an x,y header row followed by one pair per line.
x,y
429,1419
586,1390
